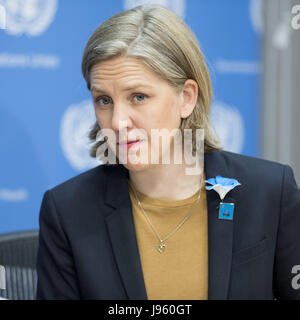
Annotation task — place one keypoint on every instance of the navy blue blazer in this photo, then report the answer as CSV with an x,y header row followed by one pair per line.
x,y
88,247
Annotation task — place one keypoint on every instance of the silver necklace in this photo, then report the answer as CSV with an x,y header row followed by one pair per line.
x,y
162,246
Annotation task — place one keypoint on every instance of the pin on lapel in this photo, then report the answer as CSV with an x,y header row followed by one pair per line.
x,y
222,186
226,211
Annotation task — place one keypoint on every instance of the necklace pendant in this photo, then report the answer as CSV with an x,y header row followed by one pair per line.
x,y
161,246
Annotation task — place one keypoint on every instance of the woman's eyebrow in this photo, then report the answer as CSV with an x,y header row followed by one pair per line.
x,y
132,87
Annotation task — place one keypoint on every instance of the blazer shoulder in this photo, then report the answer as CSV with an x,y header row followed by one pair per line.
x,y
85,177
251,162
84,185
254,170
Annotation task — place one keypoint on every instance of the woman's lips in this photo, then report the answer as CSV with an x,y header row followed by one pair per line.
x,y
129,144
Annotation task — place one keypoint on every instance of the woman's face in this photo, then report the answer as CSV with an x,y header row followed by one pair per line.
x,y
127,96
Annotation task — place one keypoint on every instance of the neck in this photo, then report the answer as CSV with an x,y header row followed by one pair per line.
x,y
166,181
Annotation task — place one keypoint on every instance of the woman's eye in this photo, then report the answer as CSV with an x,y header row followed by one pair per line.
x,y
140,97
103,100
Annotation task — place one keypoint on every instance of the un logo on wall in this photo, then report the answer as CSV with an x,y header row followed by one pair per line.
x,y
229,126
256,15
177,6
75,126
31,17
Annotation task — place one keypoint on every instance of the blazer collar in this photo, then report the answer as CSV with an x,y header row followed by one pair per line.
x,y
121,230
220,232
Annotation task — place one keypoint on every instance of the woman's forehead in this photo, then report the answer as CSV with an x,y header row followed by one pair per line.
x,y
122,70
120,65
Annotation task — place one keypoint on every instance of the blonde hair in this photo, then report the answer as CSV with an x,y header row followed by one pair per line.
x,y
160,39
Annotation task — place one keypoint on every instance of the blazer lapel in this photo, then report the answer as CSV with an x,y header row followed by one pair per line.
x,y
121,229
220,232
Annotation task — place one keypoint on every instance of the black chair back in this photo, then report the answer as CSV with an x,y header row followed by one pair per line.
x,y
18,251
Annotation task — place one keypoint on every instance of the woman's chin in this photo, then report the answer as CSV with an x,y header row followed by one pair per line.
x,y
135,166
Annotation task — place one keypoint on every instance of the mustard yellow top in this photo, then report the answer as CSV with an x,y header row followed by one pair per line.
x,y
181,271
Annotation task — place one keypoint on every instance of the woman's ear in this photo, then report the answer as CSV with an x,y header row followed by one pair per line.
x,y
189,97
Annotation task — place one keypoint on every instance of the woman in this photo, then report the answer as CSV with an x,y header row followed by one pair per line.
x,y
140,229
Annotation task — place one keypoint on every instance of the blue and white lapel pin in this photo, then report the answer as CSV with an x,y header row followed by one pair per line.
x,y
222,186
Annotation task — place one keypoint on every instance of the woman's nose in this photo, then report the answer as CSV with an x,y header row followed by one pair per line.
x,y
120,118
